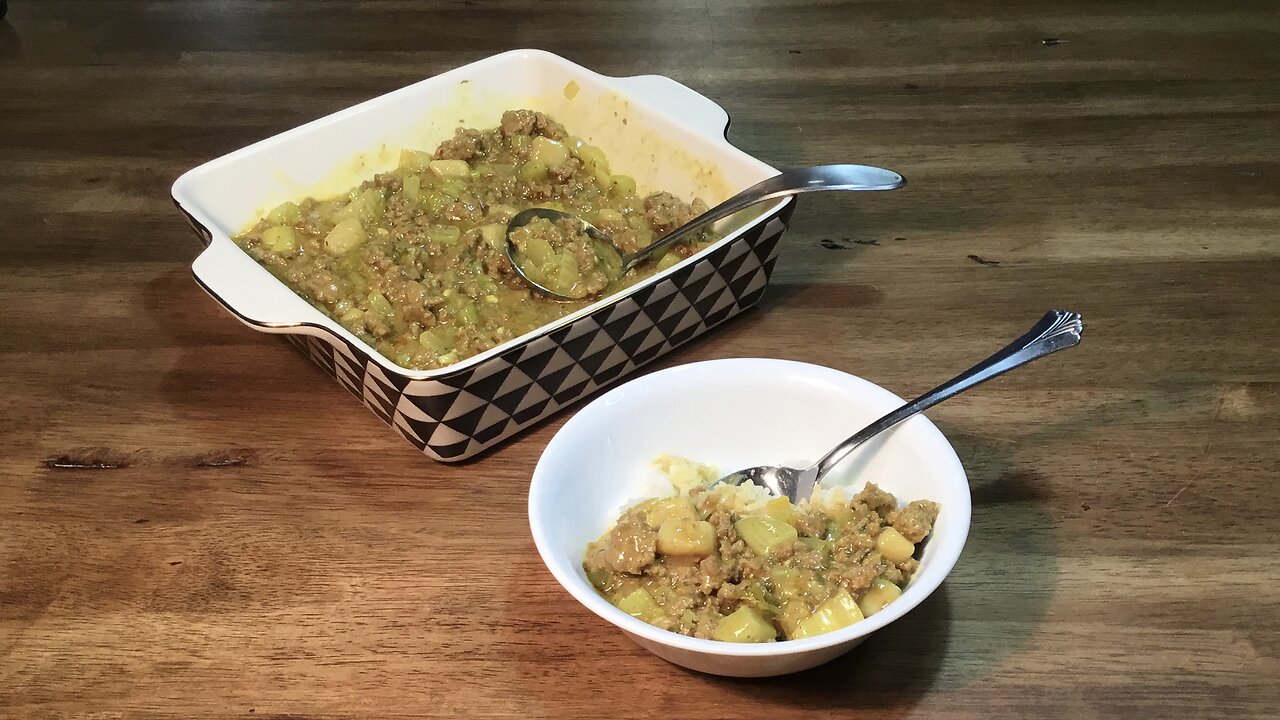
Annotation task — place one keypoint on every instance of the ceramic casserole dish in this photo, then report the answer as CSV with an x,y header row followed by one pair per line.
x,y
655,129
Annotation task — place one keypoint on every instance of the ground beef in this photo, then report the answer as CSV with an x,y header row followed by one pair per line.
x,y
632,546
528,122
466,144
915,521
665,212
834,553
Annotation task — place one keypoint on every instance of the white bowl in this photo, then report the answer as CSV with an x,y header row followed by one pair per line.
x,y
734,414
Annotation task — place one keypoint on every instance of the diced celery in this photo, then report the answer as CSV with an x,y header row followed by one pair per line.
x,y
817,544
415,160
285,214
444,234
411,186
438,340
280,239
435,201
494,235
789,618
538,251
379,304
786,583
468,315
548,151
622,184
566,273
370,206
452,188
669,260
744,625
764,534
835,612
593,159
534,170
609,217
600,579
501,213
640,604
352,319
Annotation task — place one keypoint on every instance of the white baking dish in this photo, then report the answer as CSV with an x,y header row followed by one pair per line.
x,y
652,128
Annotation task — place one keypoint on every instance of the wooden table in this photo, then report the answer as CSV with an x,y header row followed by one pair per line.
x,y
262,547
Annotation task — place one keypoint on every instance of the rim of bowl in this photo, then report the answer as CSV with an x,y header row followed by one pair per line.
x,y
914,594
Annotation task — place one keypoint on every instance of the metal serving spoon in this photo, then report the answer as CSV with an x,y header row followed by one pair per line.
x,y
791,182
1057,330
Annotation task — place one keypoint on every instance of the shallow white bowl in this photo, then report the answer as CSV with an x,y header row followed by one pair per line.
x,y
734,414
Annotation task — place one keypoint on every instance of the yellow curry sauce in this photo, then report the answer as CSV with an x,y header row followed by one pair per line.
x,y
725,564
412,261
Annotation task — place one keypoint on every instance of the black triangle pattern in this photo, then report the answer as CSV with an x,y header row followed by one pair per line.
x,y
568,395
385,392
577,346
451,452
531,413
592,363
655,308
617,328
631,345
533,366
434,406
509,402
487,387
380,406
649,353
488,434
421,445
466,424
551,381
695,287
609,374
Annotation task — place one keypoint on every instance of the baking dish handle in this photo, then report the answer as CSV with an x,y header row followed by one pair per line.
x,y
695,110
246,289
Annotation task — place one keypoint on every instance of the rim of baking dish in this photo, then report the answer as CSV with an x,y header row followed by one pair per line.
x,y
323,323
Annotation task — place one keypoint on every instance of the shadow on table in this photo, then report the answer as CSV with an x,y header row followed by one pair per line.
x,y
998,592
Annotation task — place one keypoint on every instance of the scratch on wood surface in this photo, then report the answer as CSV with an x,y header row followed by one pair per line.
x,y
224,458
983,261
88,459
1204,455
846,243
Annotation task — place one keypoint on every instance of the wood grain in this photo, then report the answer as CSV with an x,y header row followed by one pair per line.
x,y
266,549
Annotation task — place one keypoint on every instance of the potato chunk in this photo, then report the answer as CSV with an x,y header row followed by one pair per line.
x,y
682,536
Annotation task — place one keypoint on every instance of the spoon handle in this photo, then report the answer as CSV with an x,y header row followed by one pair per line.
x,y
791,182
1057,330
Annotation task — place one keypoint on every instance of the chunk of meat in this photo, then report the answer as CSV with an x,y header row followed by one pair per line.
x,y
665,212
466,144
529,122
915,521
632,546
